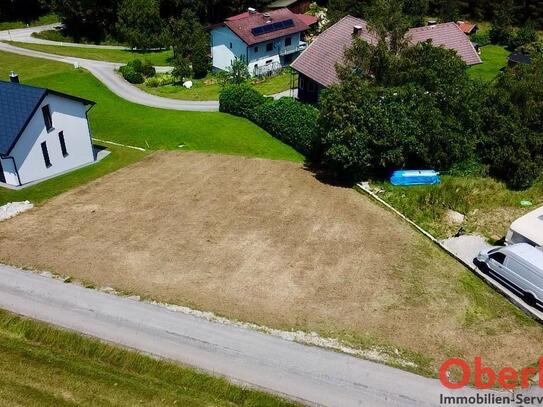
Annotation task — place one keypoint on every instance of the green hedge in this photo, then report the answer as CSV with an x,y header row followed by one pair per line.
x,y
240,100
290,121
130,74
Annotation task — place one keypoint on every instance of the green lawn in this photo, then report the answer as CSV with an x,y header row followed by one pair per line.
x,y
494,59
159,58
115,119
488,205
208,88
46,366
43,20
119,157
60,36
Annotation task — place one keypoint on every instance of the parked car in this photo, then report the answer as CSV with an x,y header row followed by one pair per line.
x,y
527,229
518,266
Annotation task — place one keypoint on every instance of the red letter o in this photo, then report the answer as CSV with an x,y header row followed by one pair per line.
x,y
466,372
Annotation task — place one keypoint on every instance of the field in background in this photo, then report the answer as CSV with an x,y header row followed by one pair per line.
x,y
158,58
46,366
264,241
43,20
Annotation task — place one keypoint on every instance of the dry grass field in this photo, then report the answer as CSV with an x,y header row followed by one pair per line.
x,y
266,242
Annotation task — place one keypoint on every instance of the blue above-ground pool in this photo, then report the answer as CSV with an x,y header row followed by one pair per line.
x,y
415,177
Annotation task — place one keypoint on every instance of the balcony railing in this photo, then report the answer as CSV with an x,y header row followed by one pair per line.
x,y
267,70
291,49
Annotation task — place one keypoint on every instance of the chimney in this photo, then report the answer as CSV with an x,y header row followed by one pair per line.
x,y
357,30
13,77
251,10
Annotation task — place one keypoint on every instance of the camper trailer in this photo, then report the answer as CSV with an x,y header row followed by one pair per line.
x,y
527,229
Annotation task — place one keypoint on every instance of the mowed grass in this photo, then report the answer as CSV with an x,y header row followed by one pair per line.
x,y
209,89
46,366
118,158
488,205
158,58
115,119
494,59
43,20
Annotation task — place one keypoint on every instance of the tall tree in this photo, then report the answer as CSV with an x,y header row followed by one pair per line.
x,y
140,24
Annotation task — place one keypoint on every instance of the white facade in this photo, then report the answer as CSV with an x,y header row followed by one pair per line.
x,y
268,55
26,161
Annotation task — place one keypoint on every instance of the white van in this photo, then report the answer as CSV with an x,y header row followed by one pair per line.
x,y
527,229
518,266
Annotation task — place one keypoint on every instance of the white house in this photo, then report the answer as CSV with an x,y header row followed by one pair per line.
x,y
42,133
267,41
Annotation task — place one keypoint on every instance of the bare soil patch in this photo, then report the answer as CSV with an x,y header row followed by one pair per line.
x,y
264,241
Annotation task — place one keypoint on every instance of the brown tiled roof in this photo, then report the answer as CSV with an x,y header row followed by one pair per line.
x,y
318,61
242,24
466,26
309,20
447,35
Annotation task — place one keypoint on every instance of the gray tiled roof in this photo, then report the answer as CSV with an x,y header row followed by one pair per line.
x,y
18,103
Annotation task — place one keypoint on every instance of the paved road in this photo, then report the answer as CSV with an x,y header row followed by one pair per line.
x,y
25,35
302,372
105,72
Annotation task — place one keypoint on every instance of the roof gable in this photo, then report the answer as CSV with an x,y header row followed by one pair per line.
x,y
244,25
18,104
319,60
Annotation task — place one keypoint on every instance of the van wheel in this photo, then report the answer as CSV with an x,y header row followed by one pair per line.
x,y
529,299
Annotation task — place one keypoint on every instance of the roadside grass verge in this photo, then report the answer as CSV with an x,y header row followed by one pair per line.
x,y
158,58
59,35
46,366
488,205
118,158
494,59
43,20
115,119
208,88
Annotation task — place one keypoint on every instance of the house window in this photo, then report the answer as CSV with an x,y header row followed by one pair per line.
x,y
269,46
288,41
256,49
45,154
47,117
230,45
269,61
62,144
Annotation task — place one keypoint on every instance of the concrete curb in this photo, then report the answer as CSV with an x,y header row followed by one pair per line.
x,y
515,299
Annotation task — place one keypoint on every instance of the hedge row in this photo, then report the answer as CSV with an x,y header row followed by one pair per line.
x,y
136,71
291,122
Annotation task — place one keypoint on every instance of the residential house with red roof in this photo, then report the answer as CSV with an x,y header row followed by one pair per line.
x,y
316,65
267,41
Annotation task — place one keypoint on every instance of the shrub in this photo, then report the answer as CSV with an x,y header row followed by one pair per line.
x,y
142,67
524,36
500,34
292,122
481,38
181,68
160,80
131,75
240,100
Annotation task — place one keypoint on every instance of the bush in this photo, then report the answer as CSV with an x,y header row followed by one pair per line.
x,y
131,75
500,35
292,122
240,100
160,80
524,36
143,67
481,39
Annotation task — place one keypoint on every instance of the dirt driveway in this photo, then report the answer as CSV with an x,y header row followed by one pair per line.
x,y
264,241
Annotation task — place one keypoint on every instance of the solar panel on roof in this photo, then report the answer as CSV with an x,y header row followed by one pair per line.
x,y
271,27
